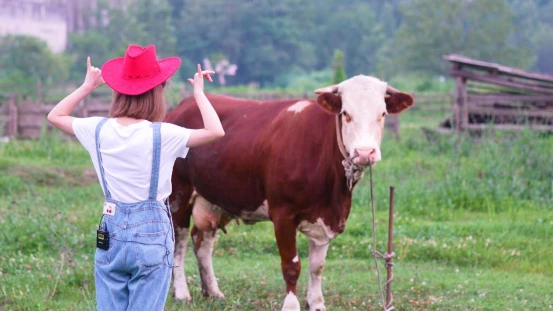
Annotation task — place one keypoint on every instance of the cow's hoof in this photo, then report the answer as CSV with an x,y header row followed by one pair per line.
x,y
181,296
316,305
216,294
291,303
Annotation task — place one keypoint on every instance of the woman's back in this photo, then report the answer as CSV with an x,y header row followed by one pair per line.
x,y
127,153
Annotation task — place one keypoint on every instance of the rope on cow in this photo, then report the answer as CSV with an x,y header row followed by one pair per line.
x,y
376,254
353,171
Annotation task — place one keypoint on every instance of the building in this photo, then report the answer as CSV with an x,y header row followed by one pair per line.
x,y
50,20
45,19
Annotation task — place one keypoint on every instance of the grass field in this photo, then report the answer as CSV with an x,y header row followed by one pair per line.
x,y
473,230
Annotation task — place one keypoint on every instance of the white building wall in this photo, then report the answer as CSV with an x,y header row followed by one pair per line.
x,y
35,18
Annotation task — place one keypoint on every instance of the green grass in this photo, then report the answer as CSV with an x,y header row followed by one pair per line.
x,y
473,229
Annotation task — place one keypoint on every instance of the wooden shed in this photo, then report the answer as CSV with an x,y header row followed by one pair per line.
x,y
490,95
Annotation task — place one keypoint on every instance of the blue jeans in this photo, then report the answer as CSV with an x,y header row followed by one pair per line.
x,y
135,272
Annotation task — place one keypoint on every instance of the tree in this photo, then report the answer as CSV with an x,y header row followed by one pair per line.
x,y
543,46
338,65
25,59
261,37
478,29
142,22
534,30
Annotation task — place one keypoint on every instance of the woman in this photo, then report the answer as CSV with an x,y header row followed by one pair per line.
x,y
133,154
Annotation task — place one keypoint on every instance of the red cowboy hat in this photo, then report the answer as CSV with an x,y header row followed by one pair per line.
x,y
139,71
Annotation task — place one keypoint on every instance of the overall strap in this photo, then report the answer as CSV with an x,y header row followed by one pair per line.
x,y
155,161
100,165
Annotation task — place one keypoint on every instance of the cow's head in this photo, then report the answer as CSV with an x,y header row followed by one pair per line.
x,y
363,103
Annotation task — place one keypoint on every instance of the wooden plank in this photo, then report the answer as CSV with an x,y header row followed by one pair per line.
x,y
461,115
523,81
508,98
509,127
13,117
478,87
465,61
510,112
499,81
34,125
28,110
30,133
26,119
420,107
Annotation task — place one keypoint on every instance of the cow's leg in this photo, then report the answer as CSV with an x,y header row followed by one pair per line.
x,y
180,284
207,219
181,208
317,258
285,233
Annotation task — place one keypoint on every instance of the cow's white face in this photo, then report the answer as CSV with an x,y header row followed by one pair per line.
x,y
362,105
362,114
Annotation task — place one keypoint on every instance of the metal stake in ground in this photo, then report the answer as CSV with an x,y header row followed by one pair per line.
x,y
387,306
388,256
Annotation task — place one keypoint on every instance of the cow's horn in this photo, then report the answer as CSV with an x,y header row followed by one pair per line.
x,y
390,90
331,89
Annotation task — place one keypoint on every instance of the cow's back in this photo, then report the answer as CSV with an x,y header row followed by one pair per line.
x,y
262,140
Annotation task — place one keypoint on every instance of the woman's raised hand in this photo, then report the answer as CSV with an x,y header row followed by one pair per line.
x,y
198,81
93,78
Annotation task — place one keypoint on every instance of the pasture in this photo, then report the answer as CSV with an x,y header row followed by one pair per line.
x,y
473,230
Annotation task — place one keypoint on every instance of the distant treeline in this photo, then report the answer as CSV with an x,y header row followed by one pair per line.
x,y
275,43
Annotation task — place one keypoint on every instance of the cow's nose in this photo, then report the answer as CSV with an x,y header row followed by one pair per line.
x,y
366,156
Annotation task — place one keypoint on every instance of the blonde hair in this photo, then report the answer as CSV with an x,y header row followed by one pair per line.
x,y
149,105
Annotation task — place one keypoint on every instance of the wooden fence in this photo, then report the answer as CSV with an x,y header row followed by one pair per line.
x,y
494,96
442,102
26,118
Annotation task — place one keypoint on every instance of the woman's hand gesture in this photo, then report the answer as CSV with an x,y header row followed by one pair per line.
x,y
198,81
93,77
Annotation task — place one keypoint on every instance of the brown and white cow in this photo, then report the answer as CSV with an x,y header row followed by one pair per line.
x,y
291,162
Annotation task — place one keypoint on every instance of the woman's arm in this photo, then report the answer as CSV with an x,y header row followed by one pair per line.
x,y
213,129
59,116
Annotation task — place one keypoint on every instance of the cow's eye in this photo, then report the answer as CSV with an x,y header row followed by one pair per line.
x,y
382,116
347,116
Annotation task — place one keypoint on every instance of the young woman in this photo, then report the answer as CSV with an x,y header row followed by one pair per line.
x,y
133,153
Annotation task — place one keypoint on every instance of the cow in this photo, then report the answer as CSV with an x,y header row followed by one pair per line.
x,y
294,163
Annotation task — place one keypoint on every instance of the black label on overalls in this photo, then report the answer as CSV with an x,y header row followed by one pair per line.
x,y
102,239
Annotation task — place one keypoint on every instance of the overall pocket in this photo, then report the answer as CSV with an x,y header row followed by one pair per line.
x,y
151,248
104,257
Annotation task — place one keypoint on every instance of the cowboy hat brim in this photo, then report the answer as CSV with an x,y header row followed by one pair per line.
x,y
111,72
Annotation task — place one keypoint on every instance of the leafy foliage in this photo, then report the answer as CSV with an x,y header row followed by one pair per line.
x,y
25,59
273,41
339,72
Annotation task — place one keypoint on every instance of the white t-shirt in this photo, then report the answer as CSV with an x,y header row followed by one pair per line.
x,y
127,155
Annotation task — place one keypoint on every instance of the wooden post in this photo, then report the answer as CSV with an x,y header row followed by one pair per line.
x,y
461,111
389,255
13,118
84,111
39,90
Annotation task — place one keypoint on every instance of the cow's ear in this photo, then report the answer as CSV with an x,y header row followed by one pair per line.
x,y
331,102
398,102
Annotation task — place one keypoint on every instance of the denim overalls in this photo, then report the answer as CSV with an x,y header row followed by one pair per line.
x,y
135,272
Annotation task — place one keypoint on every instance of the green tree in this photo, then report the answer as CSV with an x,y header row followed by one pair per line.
x,y
338,66
141,22
261,37
543,46
478,29
534,29
25,59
